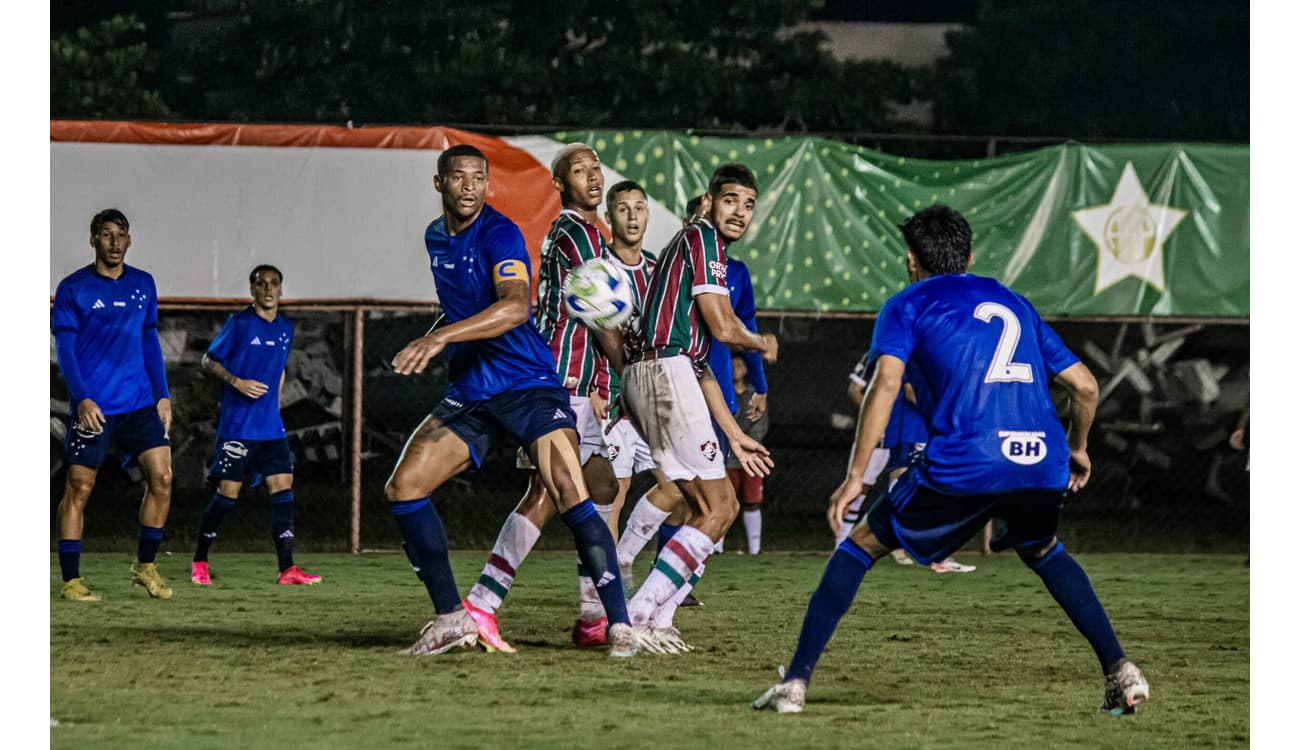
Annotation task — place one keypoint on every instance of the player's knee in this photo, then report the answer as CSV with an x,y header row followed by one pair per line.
x,y
78,489
1031,556
160,482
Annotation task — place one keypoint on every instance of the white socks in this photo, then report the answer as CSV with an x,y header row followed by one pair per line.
x,y
516,540
686,551
754,530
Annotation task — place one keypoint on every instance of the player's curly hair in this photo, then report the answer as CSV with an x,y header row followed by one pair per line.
x,y
732,173
939,238
108,216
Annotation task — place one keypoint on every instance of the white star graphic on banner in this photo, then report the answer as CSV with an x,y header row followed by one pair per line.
x,y
1130,233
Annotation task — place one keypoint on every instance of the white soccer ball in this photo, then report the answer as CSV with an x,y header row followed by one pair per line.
x,y
598,294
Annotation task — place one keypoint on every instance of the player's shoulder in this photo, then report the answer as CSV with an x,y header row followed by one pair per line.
x,y
137,274
76,278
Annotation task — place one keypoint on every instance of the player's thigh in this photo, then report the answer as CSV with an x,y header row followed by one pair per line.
x,y
673,417
926,523
1031,520
278,482
273,460
711,498
591,434
141,433
558,466
432,455
156,465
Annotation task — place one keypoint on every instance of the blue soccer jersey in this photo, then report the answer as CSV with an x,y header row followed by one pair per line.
x,y
252,348
741,291
466,268
906,425
980,360
106,335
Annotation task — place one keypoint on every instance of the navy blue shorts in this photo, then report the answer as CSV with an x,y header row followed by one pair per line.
x,y
133,432
931,525
519,417
900,455
241,460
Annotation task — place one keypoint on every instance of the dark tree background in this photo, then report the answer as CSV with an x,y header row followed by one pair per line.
x,y
1070,68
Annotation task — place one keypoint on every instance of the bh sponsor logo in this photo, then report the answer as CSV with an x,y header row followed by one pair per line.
x,y
1024,448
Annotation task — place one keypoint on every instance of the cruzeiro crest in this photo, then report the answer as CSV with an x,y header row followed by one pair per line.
x,y
1130,233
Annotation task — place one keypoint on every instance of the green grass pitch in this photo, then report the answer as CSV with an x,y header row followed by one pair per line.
x,y
921,660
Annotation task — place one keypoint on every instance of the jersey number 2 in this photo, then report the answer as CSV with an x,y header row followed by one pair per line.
x,y
1002,369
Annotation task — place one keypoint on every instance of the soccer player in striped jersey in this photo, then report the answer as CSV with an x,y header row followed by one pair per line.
x,y
981,361
584,369
105,324
686,308
501,385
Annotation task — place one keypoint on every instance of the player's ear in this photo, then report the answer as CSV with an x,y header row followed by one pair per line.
x,y
559,186
970,260
437,182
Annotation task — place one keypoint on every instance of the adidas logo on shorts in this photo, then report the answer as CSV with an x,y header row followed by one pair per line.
x,y
559,414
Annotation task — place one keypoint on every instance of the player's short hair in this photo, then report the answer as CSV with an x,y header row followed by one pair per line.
x,y
939,238
460,149
252,276
108,216
729,173
625,186
562,156
693,207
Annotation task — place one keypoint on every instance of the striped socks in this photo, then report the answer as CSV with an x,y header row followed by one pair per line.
x,y
514,542
681,556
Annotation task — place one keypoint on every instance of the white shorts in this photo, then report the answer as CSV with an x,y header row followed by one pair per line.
x,y
667,407
591,438
879,460
628,452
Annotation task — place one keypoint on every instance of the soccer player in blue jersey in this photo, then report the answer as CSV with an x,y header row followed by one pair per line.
x,y
105,324
248,355
980,360
502,386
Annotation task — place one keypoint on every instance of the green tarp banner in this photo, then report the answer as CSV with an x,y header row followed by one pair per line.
x,y
1160,230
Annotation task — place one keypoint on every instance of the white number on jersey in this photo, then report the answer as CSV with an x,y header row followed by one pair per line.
x,y
1002,369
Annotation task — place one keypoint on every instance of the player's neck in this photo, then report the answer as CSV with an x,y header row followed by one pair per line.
x,y
588,214
629,254
265,314
110,272
455,225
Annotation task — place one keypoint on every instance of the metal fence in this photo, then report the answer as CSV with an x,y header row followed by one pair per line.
x,y
1164,478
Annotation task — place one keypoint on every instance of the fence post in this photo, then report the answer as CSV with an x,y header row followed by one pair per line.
x,y
358,350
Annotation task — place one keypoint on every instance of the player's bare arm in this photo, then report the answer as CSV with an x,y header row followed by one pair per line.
x,y
727,328
610,342
1082,387
757,405
250,388
873,416
752,455
509,311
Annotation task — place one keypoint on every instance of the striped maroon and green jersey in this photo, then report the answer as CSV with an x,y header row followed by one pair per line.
x,y
694,262
639,275
578,360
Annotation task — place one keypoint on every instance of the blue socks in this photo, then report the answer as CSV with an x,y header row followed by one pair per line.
x,y
150,539
598,557
828,604
282,526
208,523
1071,589
70,558
666,532
426,546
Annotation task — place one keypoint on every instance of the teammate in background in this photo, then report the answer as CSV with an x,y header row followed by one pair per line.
x,y
753,422
980,360
905,436
251,442
685,308
501,385
105,324
584,370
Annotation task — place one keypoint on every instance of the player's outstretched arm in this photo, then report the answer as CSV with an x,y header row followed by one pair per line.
x,y
873,416
1082,387
610,342
250,388
509,311
751,454
727,328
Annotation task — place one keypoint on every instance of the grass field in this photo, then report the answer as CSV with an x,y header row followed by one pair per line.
x,y
922,660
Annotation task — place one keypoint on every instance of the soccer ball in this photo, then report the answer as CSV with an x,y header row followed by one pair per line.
x,y
598,294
